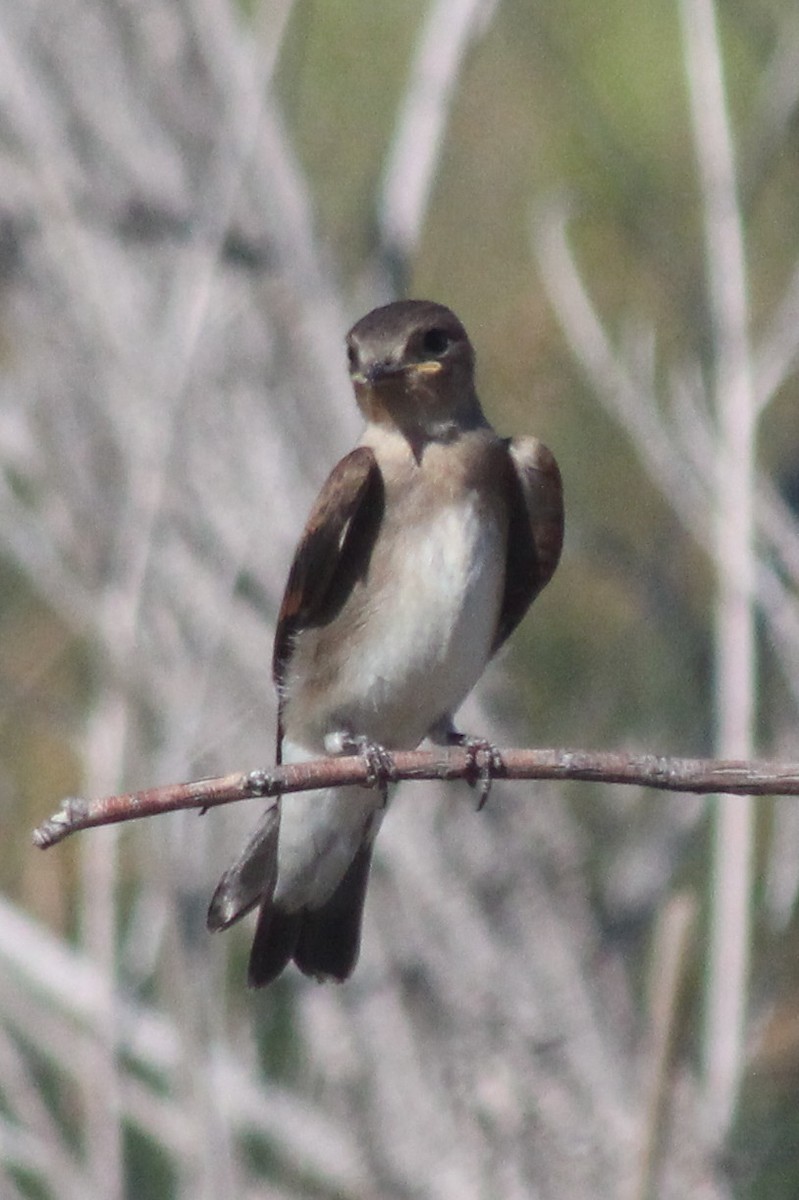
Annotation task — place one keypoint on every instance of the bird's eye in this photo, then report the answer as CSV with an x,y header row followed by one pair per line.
x,y
436,342
352,357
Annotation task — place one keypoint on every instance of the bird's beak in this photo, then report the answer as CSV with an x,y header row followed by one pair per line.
x,y
377,372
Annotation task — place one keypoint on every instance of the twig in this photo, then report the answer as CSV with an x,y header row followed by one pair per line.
x,y
702,775
449,29
736,410
672,936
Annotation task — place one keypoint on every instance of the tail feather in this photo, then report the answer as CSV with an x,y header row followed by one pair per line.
x,y
324,942
330,937
273,946
251,879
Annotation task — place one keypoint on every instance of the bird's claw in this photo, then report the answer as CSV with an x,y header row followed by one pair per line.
x,y
379,763
485,762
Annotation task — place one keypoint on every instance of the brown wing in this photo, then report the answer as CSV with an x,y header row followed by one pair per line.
x,y
535,533
333,553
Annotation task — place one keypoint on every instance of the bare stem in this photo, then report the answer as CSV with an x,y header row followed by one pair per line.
x,y
702,775
735,559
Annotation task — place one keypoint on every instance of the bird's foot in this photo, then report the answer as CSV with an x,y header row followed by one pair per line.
x,y
485,761
379,763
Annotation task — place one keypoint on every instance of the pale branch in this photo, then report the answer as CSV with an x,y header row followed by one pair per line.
x,y
702,775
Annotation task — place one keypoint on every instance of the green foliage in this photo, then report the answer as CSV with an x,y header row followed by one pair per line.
x,y
43,683
31,1186
149,1169
341,75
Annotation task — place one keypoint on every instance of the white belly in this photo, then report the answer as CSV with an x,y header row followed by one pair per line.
x,y
430,630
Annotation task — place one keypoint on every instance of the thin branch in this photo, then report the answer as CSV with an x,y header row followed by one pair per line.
x,y
776,355
449,30
672,938
616,383
701,775
735,558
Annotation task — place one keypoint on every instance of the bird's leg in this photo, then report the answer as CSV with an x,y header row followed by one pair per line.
x,y
379,762
484,757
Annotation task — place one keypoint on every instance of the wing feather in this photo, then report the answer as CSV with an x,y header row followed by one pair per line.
x,y
333,553
535,532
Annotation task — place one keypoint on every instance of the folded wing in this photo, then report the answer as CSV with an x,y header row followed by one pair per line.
x,y
332,554
535,534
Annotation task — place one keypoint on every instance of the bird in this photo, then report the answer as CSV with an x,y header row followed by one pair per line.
x,y
422,553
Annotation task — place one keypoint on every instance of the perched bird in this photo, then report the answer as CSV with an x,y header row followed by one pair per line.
x,y
424,550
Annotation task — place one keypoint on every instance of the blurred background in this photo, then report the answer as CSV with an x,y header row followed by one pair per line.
x,y
582,991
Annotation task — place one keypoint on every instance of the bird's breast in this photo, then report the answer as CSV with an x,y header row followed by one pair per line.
x,y
415,634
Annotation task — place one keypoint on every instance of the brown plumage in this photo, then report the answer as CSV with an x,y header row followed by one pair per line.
x,y
422,553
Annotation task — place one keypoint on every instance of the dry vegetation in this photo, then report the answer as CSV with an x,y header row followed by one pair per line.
x,y
195,202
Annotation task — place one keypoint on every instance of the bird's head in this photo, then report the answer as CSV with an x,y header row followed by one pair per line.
x,y
412,367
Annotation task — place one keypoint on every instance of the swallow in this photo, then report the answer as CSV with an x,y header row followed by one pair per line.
x,y
424,550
